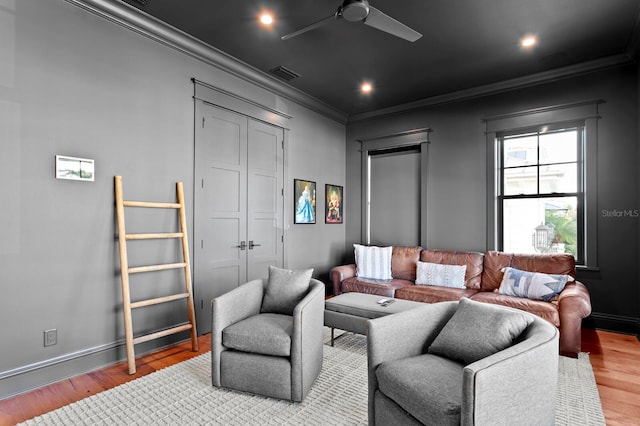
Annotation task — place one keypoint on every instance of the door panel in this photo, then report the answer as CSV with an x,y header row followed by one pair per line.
x,y
265,214
238,198
220,207
227,189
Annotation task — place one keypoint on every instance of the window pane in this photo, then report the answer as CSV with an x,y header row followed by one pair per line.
x,y
521,180
559,178
559,147
522,216
520,151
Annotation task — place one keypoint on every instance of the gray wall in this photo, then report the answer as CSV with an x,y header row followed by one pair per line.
x,y
456,176
76,84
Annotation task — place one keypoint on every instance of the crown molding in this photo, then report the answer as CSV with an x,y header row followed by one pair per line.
x,y
502,86
142,23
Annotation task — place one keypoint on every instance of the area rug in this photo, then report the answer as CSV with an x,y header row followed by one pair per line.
x,y
182,395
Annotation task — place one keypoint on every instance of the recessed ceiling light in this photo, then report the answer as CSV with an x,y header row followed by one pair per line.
x,y
366,88
266,19
528,41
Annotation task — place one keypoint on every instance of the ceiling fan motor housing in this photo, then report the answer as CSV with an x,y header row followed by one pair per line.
x,y
355,10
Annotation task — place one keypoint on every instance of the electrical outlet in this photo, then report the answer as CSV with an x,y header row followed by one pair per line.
x,y
50,337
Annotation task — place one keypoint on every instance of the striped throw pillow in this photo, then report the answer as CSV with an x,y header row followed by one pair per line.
x,y
373,262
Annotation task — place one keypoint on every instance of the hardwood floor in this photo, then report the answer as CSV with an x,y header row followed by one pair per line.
x,y
42,400
615,359
616,364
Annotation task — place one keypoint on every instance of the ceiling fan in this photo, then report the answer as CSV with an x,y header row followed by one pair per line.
x,y
361,11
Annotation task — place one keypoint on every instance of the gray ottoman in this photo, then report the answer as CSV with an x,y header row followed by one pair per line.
x,y
350,311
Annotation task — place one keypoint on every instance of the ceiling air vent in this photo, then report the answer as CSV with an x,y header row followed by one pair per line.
x,y
284,73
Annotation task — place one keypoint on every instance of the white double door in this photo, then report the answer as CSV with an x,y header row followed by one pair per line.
x,y
239,203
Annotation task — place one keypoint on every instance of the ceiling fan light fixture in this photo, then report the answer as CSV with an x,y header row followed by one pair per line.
x,y
355,10
360,11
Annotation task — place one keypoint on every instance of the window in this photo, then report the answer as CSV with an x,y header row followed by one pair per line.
x,y
542,181
381,158
541,197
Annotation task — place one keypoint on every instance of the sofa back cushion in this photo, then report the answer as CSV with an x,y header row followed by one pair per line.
x,y
473,261
404,261
495,261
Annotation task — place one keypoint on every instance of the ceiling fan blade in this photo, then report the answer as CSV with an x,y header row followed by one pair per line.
x,y
386,23
311,27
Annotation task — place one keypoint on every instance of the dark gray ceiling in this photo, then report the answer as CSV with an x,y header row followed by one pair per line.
x,y
466,43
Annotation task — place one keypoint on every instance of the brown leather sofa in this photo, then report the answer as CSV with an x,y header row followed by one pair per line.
x,y
482,280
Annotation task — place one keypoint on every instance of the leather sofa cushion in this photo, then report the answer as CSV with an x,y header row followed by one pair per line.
x,y
404,261
267,334
372,286
494,261
473,260
427,386
546,310
432,293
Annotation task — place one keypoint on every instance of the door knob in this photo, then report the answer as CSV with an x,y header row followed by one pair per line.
x,y
243,245
252,245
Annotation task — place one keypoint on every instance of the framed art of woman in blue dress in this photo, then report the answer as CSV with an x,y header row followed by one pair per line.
x,y
305,201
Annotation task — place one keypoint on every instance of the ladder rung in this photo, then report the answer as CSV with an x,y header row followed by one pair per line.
x,y
158,300
187,293
152,268
159,334
152,236
151,204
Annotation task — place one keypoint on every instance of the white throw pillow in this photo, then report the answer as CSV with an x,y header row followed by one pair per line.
x,y
440,274
373,262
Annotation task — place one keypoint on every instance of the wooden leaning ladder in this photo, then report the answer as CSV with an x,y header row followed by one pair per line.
x,y
123,237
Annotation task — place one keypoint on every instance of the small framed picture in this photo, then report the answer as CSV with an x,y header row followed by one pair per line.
x,y
304,201
332,203
74,168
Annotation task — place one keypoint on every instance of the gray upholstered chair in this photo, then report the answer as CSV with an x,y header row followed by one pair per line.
x,y
466,362
267,339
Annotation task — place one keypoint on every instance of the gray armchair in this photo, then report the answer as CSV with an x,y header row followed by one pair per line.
x,y
419,374
266,353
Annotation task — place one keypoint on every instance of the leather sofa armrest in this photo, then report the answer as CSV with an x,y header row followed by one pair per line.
x,y
339,274
576,295
574,304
